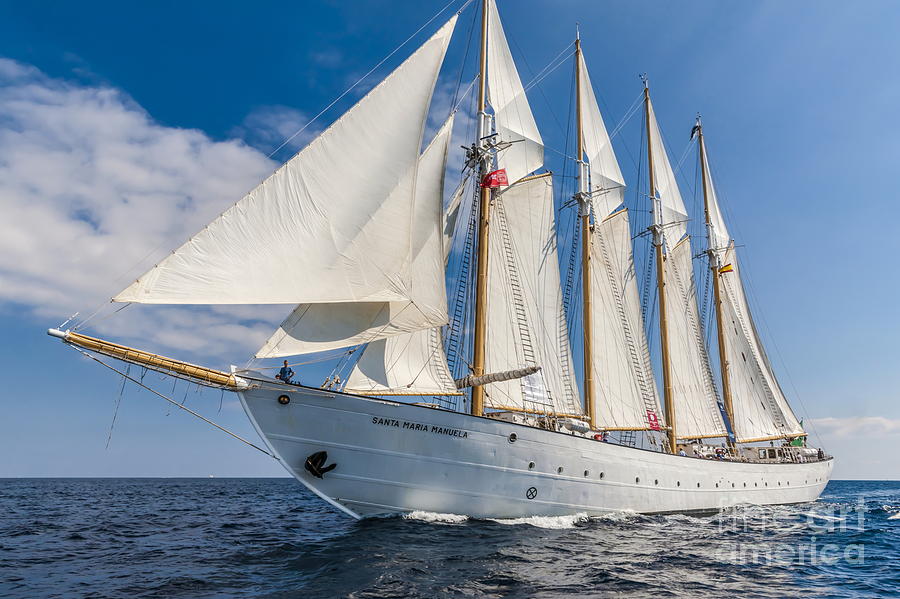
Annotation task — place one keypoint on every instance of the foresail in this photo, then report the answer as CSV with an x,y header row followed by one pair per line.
x,y
673,216
526,324
512,114
697,412
330,225
760,408
320,327
607,186
628,397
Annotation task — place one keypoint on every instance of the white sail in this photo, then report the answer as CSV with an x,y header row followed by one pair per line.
x,y
607,186
330,225
719,238
697,412
760,408
525,320
321,327
513,120
627,397
415,362
673,214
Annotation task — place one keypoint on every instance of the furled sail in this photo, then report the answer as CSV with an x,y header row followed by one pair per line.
x,y
628,396
526,324
513,120
760,409
414,362
321,327
697,411
331,224
607,186
673,214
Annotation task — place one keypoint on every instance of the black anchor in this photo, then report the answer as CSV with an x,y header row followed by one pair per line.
x,y
315,464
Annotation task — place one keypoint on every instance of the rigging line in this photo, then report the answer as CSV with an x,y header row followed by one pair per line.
x,y
360,80
116,410
544,71
547,70
543,95
173,402
462,65
107,317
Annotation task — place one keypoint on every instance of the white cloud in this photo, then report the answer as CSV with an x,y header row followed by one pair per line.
x,y
93,192
854,426
266,128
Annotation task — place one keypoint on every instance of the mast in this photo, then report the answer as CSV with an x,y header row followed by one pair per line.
x,y
484,211
714,266
585,215
660,280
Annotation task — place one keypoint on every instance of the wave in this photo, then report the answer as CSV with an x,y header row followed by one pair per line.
x,y
435,517
555,522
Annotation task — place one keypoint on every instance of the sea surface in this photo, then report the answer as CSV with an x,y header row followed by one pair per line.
x,y
272,538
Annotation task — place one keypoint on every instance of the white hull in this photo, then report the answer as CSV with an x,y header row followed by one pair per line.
x,y
461,464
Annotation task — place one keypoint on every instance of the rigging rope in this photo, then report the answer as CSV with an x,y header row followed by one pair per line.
x,y
372,70
126,376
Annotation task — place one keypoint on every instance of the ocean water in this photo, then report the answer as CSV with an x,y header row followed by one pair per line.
x,y
271,538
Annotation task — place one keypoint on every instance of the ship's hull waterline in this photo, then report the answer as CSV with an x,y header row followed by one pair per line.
x,y
392,457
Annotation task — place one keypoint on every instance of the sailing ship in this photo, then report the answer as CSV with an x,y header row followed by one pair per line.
x,y
501,427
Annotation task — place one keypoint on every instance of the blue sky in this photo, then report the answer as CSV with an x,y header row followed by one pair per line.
x,y
124,128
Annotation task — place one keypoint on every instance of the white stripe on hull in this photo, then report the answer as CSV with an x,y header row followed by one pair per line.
x,y
461,464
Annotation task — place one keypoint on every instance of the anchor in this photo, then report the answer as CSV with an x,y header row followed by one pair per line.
x,y
315,464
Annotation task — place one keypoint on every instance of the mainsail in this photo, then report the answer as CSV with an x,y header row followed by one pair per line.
x,y
759,408
628,395
513,120
620,360
526,323
330,225
415,363
692,388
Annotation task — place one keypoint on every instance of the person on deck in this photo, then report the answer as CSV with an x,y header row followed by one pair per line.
x,y
285,373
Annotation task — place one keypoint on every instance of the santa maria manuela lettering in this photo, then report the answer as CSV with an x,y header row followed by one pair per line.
x,y
419,427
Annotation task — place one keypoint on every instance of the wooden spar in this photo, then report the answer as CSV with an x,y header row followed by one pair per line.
x,y
585,216
660,284
201,374
717,292
484,211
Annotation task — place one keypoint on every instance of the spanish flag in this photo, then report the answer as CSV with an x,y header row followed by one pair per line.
x,y
726,268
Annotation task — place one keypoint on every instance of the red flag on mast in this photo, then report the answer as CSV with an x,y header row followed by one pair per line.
x,y
496,178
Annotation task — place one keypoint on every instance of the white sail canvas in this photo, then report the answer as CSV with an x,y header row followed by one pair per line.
x,y
526,324
330,225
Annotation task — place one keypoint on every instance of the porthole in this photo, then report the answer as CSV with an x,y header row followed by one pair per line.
x,y
531,465
717,485
767,483
513,437
284,400
636,480
586,473
698,485
745,484
559,470
732,485
656,481
601,475
678,484
755,484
